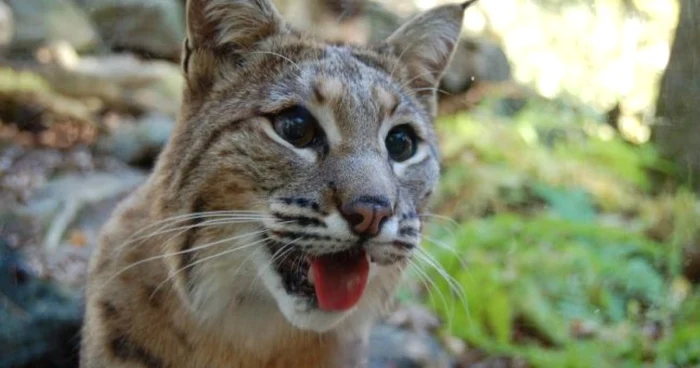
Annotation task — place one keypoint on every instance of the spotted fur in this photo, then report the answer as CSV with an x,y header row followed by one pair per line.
x,y
169,287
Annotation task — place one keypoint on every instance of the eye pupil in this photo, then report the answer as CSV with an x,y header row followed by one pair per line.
x,y
296,125
295,128
401,143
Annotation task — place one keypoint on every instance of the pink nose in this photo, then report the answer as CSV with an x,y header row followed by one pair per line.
x,y
366,215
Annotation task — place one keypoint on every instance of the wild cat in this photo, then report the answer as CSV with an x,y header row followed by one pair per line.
x,y
285,206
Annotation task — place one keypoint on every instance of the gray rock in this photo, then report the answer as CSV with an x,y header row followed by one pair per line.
x,y
121,82
62,203
140,141
397,348
40,320
414,317
41,21
156,27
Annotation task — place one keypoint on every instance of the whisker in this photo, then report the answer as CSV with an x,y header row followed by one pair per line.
x,y
283,251
204,260
429,286
434,89
275,255
427,258
202,214
166,255
453,284
441,217
223,221
448,248
279,55
194,215
450,230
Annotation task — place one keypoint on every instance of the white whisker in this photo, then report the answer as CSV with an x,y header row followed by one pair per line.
x,y
451,282
440,217
278,55
429,284
283,251
192,264
223,221
189,216
166,255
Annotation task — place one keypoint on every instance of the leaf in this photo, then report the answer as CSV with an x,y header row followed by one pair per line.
x,y
569,204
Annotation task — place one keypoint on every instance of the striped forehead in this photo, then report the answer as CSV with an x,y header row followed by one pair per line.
x,y
351,109
356,97
350,96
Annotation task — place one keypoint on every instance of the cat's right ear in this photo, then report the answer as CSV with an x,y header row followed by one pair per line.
x,y
218,27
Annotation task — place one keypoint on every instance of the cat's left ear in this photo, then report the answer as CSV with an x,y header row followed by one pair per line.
x,y
425,45
238,23
220,31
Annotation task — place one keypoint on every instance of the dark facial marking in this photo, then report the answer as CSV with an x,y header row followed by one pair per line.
x,y
109,311
408,231
293,235
404,245
300,220
129,351
304,203
409,215
153,297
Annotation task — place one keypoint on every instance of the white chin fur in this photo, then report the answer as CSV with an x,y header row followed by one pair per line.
x,y
295,309
301,316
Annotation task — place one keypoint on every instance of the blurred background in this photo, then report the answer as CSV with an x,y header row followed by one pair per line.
x,y
566,232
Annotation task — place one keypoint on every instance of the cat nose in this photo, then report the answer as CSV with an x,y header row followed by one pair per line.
x,y
367,214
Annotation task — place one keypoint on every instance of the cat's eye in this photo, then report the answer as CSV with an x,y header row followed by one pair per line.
x,y
401,143
296,125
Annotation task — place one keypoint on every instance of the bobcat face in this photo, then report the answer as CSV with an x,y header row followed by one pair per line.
x,y
362,162
330,148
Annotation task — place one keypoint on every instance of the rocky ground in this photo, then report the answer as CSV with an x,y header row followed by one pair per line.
x,y
89,92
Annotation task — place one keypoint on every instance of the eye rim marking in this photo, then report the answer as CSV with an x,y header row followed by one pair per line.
x,y
308,155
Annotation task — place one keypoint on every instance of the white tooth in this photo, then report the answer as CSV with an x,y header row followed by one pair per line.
x,y
310,277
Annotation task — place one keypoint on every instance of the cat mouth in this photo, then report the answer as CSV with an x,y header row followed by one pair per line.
x,y
332,282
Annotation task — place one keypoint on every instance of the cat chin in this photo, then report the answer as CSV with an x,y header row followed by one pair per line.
x,y
300,311
313,319
300,314
303,313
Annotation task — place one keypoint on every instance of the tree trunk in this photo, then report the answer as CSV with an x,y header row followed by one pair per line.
x,y
677,131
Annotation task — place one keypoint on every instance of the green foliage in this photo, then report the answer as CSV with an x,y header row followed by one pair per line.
x,y
565,254
496,164
682,346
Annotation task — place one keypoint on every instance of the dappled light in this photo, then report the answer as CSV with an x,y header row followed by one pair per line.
x,y
564,230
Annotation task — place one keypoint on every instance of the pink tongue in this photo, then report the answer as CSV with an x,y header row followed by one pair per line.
x,y
339,280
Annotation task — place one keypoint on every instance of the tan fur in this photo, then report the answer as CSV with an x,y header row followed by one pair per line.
x,y
188,291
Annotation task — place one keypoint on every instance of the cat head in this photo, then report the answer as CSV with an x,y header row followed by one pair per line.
x,y
324,156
